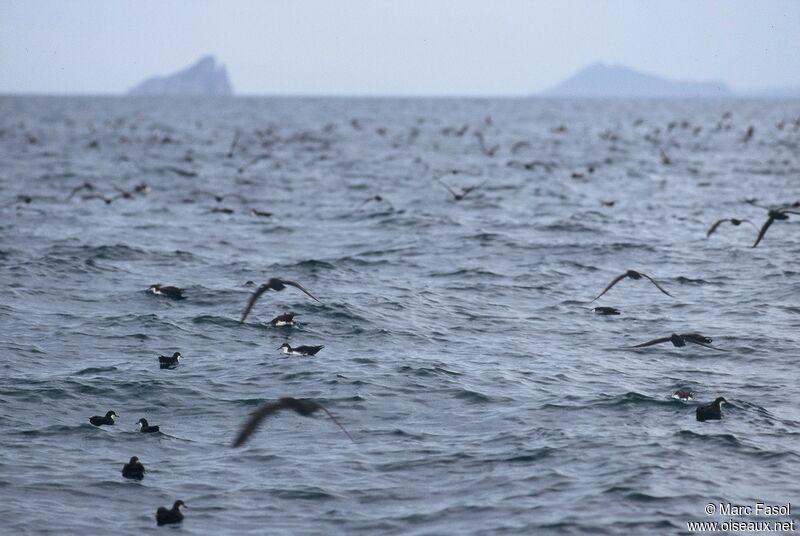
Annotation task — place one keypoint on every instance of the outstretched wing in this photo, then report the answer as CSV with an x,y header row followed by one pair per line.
x,y
614,282
688,339
299,286
253,299
440,181
649,343
656,284
468,189
763,230
337,422
714,227
255,420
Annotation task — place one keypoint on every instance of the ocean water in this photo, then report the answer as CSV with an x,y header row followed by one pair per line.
x,y
461,352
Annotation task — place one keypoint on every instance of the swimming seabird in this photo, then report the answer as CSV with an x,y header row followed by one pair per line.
x,y
605,311
464,190
712,411
169,362
733,221
100,421
680,341
170,292
260,213
777,214
146,428
133,469
300,406
168,517
275,284
300,350
633,274
683,394
286,319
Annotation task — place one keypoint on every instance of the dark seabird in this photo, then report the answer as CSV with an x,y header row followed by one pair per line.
x,y
605,311
146,428
376,198
683,394
300,406
169,362
223,210
168,517
85,186
220,198
633,275
712,411
778,214
260,213
133,469
100,421
300,350
286,319
680,341
170,292
108,200
665,158
733,221
275,284
464,191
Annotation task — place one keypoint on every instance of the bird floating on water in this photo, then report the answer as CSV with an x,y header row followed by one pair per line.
x,y
300,406
275,284
300,350
170,292
146,428
169,362
605,311
97,420
133,469
286,319
683,394
712,411
169,517
633,274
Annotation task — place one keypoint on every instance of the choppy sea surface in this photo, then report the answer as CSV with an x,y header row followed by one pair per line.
x,y
461,352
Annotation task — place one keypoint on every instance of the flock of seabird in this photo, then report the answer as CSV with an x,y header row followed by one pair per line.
x,y
134,469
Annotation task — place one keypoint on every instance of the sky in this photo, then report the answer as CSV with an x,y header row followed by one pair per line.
x,y
381,47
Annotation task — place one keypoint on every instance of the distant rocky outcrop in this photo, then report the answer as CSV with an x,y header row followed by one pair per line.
x,y
600,80
205,77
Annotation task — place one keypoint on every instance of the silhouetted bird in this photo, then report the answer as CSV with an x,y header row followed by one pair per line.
x,y
133,469
778,214
680,341
168,517
168,362
712,411
275,284
170,292
146,428
107,420
733,221
633,275
464,191
300,406
606,311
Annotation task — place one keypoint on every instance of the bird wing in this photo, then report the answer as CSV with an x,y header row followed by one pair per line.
x,y
703,344
714,227
234,195
763,230
253,299
440,181
299,286
97,196
649,343
337,422
656,284
468,189
359,207
614,282
753,225
255,420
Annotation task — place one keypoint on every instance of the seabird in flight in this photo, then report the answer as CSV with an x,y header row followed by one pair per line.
x,y
633,274
275,284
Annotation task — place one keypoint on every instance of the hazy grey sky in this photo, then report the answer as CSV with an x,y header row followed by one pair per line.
x,y
492,47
